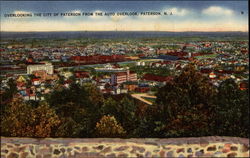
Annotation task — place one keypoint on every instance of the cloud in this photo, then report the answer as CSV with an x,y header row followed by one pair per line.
x,y
116,18
76,11
216,10
127,25
21,12
178,11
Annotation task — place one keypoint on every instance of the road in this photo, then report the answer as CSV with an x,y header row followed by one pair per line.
x,y
140,95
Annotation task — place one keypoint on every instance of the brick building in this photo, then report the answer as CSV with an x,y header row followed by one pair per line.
x,y
121,77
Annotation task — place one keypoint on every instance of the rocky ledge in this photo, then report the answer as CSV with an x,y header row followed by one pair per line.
x,y
107,147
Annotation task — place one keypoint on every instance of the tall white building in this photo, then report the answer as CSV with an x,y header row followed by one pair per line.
x,y
48,67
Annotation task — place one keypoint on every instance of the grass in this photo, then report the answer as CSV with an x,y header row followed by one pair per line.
x,y
206,56
152,100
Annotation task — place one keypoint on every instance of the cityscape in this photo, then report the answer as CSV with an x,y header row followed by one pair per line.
x,y
118,66
124,79
108,75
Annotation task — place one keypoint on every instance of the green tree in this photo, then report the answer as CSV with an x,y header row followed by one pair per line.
x,y
79,106
12,86
186,105
232,110
126,115
32,76
75,94
93,107
68,128
150,122
73,119
93,95
109,107
61,79
9,92
124,111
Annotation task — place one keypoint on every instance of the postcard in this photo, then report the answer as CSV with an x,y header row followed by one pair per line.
x,y
124,78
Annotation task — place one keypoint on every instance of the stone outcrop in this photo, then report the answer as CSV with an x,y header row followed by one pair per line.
x,y
106,147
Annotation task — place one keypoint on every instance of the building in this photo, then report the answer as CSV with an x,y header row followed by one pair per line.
x,y
130,86
121,77
212,75
43,75
48,67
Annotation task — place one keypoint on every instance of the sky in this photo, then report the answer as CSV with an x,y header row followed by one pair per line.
x,y
186,16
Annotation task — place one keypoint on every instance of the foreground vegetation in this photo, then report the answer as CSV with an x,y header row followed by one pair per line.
x,y
187,106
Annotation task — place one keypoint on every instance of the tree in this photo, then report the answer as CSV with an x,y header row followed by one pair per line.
x,y
73,122
75,94
94,95
186,105
93,106
10,91
23,120
72,78
150,123
32,76
232,110
28,83
124,111
126,115
109,107
68,128
45,119
39,95
15,119
109,127
61,79
80,108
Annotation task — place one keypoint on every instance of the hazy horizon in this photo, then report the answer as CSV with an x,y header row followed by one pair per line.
x,y
119,34
129,31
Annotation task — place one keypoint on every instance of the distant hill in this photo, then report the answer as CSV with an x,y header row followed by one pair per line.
x,y
117,34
